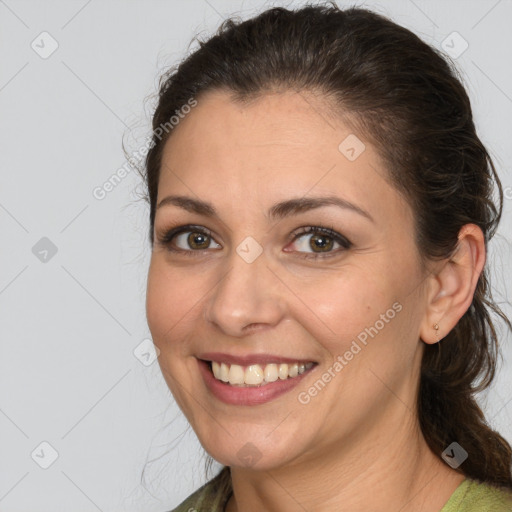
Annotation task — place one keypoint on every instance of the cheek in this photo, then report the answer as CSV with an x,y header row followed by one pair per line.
x,y
170,298
365,320
341,304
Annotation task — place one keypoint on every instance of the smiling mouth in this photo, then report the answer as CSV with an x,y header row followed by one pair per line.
x,y
256,375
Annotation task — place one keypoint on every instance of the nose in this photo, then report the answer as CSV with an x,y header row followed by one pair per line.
x,y
247,296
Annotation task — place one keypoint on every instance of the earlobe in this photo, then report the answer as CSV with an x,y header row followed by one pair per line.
x,y
453,285
436,328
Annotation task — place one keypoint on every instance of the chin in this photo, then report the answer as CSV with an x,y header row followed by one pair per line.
x,y
253,449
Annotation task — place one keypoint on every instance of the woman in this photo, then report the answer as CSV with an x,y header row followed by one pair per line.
x,y
320,208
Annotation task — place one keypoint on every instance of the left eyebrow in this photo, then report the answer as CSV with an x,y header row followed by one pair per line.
x,y
280,210
303,204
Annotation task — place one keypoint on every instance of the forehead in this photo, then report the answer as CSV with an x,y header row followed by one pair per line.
x,y
280,144
275,123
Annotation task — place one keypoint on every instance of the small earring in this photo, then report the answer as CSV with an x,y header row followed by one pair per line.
x,y
436,327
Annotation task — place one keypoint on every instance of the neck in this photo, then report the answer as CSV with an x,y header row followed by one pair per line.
x,y
388,469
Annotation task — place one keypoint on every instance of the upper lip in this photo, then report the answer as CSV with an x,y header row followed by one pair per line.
x,y
247,360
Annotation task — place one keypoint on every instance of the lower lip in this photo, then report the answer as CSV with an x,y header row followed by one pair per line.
x,y
236,395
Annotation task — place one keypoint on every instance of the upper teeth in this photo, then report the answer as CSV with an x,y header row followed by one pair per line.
x,y
256,374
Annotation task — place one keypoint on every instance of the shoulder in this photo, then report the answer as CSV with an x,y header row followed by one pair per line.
x,y
474,496
208,498
197,501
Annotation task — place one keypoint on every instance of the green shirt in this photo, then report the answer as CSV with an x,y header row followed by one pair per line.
x,y
470,496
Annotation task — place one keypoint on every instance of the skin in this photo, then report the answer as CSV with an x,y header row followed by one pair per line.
x,y
360,432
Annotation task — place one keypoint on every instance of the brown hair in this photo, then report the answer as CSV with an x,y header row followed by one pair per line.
x,y
408,101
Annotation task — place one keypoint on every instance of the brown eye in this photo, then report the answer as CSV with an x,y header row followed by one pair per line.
x,y
193,240
198,240
188,240
322,242
316,241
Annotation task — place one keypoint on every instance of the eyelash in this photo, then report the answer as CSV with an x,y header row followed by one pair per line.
x,y
168,237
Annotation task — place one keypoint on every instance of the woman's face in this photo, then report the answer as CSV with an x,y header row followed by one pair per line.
x,y
248,284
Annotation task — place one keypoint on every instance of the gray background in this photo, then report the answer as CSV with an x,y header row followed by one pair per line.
x,y
71,321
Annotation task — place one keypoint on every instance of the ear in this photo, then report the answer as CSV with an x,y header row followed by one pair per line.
x,y
452,285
